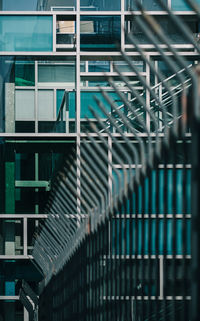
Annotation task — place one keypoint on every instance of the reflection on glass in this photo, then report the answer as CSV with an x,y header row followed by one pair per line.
x,y
87,98
168,27
65,30
24,73
151,5
98,66
182,5
100,32
26,33
100,5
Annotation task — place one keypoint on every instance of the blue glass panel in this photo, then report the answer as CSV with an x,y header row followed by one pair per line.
x,y
9,288
26,33
182,5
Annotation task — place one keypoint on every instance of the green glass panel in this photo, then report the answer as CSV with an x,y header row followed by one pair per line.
x,y
26,33
24,73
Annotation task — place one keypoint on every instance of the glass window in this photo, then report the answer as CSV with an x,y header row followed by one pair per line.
x,y
24,73
151,5
45,105
168,27
100,5
98,66
100,32
57,73
70,103
87,98
26,33
182,5
24,104
124,67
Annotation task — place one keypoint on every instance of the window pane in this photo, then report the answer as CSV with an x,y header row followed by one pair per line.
x,y
99,5
101,32
87,98
24,73
26,33
150,5
182,5
24,104
57,73
98,66
45,105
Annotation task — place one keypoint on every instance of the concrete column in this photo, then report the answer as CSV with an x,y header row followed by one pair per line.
x,y
9,107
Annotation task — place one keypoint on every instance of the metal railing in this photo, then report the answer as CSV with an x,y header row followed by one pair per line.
x,y
131,249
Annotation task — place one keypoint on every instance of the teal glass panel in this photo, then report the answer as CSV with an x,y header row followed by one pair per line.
x,y
179,191
72,105
59,97
188,191
151,5
142,232
170,191
26,33
9,288
181,5
153,192
99,5
98,66
87,98
24,73
71,102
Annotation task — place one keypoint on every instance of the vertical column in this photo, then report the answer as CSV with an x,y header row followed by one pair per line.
x,y
36,96
78,67
110,170
9,108
26,316
54,32
122,25
147,93
25,234
78,100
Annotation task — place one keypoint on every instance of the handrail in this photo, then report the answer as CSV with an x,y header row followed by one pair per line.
x,y
154,87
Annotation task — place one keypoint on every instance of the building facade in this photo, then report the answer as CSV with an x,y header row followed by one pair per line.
x,y
52,64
